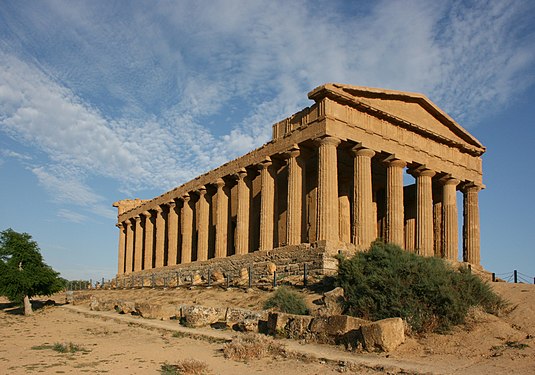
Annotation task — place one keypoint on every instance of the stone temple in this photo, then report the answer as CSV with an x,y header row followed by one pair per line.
x,y
333,179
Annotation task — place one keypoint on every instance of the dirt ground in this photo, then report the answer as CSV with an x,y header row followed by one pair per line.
x,y
121,344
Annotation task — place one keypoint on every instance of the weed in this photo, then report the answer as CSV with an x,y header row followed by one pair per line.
x,y
185,367
287,301
68,347
252,346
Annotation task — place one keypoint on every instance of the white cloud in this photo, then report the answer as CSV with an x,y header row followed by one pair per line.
x,y
71,216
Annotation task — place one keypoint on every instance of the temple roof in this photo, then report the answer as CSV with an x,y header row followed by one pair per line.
x,y
403,107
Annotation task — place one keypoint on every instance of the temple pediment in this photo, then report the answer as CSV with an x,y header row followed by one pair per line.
x,y
410,110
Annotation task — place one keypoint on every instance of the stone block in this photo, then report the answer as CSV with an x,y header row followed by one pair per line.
x,y
336,325
164,311
247,325
200,316
332,302
288,325
125,307
384,335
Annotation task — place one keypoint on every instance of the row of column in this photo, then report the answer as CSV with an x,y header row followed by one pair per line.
x,y
327,222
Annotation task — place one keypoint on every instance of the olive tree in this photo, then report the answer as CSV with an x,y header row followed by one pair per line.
x,y
23,273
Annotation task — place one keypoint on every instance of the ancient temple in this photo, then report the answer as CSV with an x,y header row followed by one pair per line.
x,y
333,178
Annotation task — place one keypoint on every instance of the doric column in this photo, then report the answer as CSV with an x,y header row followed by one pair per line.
x,y
149,240
202,225
471,245
221,220
363,220
160,237
187,229
138,246
129,246
122,243
172,234
327,221
267,205
450,235
424,211
242,220
295,198
438,227
394,201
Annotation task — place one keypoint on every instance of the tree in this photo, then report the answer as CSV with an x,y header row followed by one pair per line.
x,y
23,273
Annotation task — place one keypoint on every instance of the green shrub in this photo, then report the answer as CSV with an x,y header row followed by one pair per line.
x,y
287,301
389,282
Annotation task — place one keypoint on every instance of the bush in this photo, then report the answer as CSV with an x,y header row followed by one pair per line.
x,y
185,367
287,301
388,282
252,346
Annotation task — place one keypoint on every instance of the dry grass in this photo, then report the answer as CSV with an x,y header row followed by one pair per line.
x,y
186,367
253,346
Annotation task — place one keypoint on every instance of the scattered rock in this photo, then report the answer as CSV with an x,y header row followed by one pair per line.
x,y
157,311
333,302
200,316
385,335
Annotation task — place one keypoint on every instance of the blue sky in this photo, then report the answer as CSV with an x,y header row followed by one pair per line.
x,y
105,100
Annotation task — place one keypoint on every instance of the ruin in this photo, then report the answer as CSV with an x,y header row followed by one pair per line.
x,y
332,179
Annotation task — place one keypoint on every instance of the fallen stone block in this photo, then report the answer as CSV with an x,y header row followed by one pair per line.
x,y
164,311
288,325
125,307
384,335
332,302
200,316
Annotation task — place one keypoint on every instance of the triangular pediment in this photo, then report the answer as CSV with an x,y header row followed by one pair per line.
x,y
405,108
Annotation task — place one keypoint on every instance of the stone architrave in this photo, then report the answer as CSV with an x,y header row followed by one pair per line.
x,y
450,234
327,221
129,246
138,246
242,219
187,229
362,232
160,237
122,243
394,201
203,218
424,211
172,234
471,244
267,205
149,240
295,197
221,220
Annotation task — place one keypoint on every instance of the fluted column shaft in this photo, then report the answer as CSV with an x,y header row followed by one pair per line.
x,y
160,237
172,234
267,205
202,225
149,240
187,230
394,202
138,246
450,234
471,244
363,215
327,221
424,211
242,220
129,246
122,243
295,198
221,220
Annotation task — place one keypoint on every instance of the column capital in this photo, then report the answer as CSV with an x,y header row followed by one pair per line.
x,y
392,161
119,225
219,183
449,180
293,152
158,209
186,198
328,140
201,191
360,150
240,174
137,218
128,222
171,204
266,163
146,213
471,187
421,171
